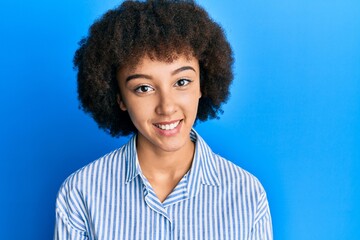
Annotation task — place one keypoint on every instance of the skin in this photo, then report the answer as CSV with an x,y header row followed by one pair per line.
x,y
162,100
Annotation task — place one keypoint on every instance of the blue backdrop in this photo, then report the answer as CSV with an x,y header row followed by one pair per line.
x,y
293,118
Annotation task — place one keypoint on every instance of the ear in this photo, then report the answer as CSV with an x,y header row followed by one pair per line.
x,y
121,103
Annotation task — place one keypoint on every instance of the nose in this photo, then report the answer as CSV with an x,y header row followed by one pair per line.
x,y
166,104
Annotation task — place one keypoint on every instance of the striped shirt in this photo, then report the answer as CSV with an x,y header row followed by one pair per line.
x,y
111,199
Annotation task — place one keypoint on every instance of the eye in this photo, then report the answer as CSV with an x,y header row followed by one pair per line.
x,y
182,82
143,89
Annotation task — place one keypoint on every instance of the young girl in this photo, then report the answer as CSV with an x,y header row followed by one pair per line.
x,y
152,69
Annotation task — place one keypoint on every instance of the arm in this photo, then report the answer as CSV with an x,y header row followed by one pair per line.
x,y
70,221
65,231
262,227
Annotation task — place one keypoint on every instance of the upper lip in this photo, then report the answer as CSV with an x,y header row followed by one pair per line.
x,y
168,122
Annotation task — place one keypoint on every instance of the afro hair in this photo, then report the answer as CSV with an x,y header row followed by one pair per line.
x,y
162,29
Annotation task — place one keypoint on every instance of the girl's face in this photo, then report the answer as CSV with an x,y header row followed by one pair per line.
x,y
162,100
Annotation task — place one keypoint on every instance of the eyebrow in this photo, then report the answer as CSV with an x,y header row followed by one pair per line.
x,y
182,69
134,76
131,77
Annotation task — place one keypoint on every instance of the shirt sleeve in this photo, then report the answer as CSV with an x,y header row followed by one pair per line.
x,y
71,220
262,228
65,231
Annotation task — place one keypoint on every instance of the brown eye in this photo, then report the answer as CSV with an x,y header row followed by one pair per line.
x,y
143,89
182,82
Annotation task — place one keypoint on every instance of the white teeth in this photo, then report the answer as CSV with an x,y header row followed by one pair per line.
x,y
168,126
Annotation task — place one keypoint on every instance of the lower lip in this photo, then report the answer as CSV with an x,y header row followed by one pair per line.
x,y
169,133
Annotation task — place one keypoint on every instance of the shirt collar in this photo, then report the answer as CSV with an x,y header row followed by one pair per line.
x,y
132,163
203,169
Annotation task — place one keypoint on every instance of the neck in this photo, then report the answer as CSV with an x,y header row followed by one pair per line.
x,y
159,164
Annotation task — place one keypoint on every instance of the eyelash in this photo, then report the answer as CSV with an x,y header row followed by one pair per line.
x,y
140,89
187,81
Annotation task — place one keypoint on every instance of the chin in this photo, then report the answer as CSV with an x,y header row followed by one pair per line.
x,y
172,147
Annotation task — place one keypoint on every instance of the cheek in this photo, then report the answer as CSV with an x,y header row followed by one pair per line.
x,y
190,100
139,109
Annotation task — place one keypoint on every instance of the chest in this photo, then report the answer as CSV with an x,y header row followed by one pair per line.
x,y
212,214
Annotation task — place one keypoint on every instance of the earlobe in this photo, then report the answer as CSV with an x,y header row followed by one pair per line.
x,y
121,103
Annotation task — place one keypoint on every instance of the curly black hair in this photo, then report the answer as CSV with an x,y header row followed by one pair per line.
x,y
162,29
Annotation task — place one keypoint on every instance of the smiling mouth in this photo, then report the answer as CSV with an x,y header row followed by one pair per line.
x,y
167,127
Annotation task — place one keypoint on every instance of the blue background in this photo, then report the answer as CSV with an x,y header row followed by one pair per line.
x,y
293,119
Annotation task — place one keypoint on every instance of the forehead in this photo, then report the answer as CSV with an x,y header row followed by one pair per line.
x,y
149,63
160,51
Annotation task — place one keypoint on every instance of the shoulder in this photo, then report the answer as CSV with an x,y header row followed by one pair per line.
x,y
77,194
96,173
81,187
233,176
228,174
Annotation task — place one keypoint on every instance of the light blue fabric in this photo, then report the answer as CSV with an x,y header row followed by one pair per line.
x,y
111,199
